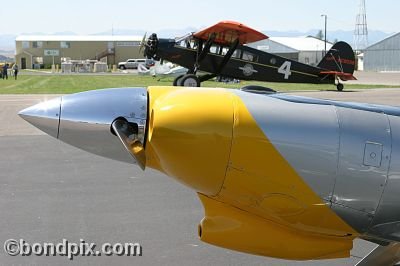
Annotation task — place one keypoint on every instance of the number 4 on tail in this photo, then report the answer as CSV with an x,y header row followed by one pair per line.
x,y
285,69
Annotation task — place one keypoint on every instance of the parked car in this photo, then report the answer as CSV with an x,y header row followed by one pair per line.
x,y
131,64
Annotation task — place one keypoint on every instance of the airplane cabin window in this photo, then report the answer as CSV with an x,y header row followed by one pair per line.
x,y
224,50
255,59
214,49
183,43
249,56
237,54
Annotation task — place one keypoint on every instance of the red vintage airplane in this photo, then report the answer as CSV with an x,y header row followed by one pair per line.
x,y
220,50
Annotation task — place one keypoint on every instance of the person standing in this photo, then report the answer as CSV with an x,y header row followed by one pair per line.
x,y
5,70
15,70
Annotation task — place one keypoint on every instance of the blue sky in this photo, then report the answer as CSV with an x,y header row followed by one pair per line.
x,y
90,16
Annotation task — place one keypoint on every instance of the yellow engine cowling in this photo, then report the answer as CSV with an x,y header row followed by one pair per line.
x,y
190,135
230,227
254,201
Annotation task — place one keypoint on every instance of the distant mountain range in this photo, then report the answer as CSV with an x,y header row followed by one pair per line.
x,y
7,41
340,35
4,58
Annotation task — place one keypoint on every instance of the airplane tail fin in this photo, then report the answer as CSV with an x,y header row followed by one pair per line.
x,y
339,59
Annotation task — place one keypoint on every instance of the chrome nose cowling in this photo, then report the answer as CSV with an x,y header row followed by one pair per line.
x,y
85,120
45,116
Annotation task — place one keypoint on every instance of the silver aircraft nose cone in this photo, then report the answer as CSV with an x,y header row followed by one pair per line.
x,y
45,116
85,120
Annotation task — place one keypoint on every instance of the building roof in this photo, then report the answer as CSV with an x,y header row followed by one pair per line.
x,y
77,38
383,41
304,43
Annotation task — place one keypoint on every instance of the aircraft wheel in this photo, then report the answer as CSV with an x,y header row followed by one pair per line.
x,y
176,80
340,87
189,81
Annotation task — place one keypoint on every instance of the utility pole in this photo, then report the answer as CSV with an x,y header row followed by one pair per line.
x,y
326,25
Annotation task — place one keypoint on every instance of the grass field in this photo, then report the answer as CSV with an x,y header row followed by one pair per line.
x,y
64,84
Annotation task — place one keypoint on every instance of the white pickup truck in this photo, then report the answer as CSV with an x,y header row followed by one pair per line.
x,y
131,63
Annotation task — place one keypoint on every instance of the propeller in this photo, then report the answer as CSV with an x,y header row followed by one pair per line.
x,y
127,134
143,43
150,47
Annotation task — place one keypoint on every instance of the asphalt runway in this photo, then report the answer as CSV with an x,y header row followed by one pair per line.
x,y
50,191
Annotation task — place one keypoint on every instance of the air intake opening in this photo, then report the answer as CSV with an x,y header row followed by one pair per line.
x,y
200,230
131,127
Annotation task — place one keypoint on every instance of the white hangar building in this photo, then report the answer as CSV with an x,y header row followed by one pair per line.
x,y
306,49
384,55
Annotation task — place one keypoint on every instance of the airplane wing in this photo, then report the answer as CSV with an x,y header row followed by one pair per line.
x,y
228,31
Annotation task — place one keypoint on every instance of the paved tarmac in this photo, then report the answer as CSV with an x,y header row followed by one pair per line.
x,y
382,78
50,191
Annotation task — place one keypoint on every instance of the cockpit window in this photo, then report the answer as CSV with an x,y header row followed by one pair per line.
x,y
187,42
187,36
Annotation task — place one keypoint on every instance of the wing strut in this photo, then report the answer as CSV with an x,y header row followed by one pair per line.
x,y
221,66
202,52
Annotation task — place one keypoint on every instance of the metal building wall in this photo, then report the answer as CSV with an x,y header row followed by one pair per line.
x,y
311,57
79,50
383,56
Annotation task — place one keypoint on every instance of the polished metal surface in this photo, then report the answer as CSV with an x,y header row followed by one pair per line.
x,y
375,108
359,185
368,180
358,220
387,219
341,150
307,136
45,116
85,119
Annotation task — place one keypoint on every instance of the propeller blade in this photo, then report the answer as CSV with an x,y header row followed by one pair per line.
x,y
143,42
